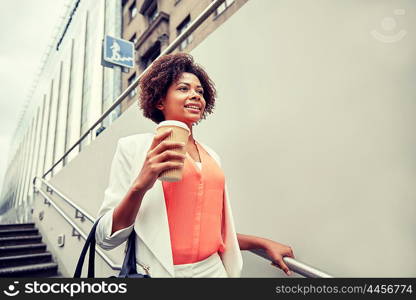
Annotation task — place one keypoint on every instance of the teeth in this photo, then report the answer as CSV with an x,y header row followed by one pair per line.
x,y
194,107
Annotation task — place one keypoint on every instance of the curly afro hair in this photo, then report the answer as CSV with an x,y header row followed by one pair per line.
x,y
164,71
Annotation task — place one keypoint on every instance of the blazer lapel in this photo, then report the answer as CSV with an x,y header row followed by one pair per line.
x,y
152,222
231,257
153,227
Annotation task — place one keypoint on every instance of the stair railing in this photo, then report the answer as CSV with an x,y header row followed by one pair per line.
x,y
293,264
79,213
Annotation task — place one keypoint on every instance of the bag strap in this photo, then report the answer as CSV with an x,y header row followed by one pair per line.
x,y
129,262
89,244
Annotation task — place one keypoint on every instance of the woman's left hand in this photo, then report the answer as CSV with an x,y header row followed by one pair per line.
x,y
276,252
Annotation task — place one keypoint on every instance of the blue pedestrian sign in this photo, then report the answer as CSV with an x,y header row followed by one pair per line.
x,y
119,52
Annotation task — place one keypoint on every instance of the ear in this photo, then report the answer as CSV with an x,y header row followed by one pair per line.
x,y
160,104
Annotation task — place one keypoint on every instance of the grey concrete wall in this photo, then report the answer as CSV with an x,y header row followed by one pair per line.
x,y
314,123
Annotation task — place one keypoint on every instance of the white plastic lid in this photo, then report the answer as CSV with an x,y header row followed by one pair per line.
x,y
173,123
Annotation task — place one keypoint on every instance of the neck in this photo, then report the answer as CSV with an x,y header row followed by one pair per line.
x,y
191,137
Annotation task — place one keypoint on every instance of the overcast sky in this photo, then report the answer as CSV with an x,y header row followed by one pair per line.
x,y
26,28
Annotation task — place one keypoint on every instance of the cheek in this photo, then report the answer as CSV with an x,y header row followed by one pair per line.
x,y
180,99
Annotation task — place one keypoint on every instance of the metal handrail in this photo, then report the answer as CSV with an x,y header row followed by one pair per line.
x,y
293,264
188,31
80,232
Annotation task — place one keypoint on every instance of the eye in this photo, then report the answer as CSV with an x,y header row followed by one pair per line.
x,y
183,88
201,92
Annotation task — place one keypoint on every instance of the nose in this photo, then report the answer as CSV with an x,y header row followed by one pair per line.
x,y
195,95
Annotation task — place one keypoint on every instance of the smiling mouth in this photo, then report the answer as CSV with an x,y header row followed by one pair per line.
x,y
193,109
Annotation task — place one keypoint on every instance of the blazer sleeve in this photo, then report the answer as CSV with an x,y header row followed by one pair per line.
x,y
119,183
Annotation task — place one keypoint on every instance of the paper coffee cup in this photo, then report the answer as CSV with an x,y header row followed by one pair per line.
x,y
180,133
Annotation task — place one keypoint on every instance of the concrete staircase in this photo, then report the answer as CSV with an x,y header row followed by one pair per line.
x,y
22,253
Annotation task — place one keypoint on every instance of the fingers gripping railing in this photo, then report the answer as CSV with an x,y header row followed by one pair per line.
x,y
296,266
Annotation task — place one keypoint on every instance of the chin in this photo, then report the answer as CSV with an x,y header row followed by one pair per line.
x,y
191,119
187,119
195,120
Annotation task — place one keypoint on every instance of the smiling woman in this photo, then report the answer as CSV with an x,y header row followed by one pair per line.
x,y
184,228
184,100
188,77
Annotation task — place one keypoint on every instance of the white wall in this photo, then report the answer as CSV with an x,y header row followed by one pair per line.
x,y
315,124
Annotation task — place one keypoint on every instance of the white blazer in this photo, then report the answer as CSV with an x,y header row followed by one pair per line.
x,y
153,246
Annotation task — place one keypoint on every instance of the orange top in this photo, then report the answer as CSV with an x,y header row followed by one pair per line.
x,y
195,210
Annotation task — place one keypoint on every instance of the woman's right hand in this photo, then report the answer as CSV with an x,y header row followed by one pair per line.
x,y
158,159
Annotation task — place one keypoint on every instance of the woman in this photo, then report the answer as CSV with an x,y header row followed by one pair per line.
x,y
184,228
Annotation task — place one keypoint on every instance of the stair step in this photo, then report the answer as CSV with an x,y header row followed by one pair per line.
x,y
25,259
20,240
36,270
18,232
22,253
22,249
17,226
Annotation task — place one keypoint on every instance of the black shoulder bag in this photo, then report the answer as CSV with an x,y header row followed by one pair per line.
x,y
129,264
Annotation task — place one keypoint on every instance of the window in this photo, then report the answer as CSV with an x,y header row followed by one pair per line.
x,y
223,7
130,81
133,39
151,55
181,28
133,11
99,130
149,10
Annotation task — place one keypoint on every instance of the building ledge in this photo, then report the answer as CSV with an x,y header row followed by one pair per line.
x,y
162,17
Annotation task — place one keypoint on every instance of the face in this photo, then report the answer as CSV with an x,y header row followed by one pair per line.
x,y
184,100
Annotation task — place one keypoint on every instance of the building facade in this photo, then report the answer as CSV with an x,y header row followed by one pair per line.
x,y
75,86
71,93
153,24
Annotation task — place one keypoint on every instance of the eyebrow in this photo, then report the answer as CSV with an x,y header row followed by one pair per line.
x,y
188,84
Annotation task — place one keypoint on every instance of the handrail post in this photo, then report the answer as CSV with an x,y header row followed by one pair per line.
x,y
77,232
